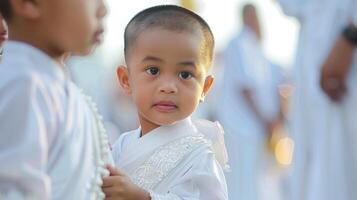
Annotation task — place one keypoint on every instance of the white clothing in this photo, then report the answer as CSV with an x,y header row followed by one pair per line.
x,y
325,156
245,67
173,162
49,135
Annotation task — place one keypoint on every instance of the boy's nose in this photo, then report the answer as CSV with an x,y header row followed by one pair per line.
x,y
102,9
168,87
3,27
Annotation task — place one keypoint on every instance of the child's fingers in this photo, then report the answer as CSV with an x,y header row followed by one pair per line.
x,y
109,191
114,171
111,198
109,181
113,193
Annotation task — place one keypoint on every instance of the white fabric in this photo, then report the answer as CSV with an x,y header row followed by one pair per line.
x,y
325,156
245,67
354,17
214,132
46,145
196,176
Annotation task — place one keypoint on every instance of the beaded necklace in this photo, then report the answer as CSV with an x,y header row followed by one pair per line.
x,y
101,150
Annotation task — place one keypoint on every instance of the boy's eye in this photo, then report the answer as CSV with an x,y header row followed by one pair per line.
x,y
152,70
185,75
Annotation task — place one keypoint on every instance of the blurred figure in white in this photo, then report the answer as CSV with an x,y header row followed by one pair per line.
x,y
250,106
325,100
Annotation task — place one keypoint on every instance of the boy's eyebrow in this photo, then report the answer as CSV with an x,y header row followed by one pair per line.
x,y
187,63
183,64
152,58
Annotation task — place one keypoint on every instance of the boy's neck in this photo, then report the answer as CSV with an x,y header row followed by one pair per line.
x,y
146,126
146,130
34,40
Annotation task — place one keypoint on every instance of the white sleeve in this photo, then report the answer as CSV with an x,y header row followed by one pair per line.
x,y
278,74
23,141
204,181
294,8
116,149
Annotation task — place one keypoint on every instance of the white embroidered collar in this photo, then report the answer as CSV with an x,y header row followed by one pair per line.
x,y
155,138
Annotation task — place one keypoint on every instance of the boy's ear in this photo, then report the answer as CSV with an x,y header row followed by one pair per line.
x,y
207,85
26,8
123,77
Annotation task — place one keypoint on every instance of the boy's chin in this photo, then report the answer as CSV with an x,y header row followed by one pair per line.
x,y
86,51
166,122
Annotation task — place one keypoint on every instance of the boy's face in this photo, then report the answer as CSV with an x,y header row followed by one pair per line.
x,y
166,76
73,25
3,31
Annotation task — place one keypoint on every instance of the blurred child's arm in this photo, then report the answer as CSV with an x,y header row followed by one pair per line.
x,y
23,141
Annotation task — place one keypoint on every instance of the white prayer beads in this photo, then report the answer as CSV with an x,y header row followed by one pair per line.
x,y
101,150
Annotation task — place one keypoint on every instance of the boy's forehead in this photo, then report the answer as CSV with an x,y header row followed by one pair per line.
x,y
167,40
152,37
161,30
168,36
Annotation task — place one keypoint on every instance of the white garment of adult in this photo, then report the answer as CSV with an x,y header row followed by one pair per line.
x,y
245,67
325,133
48,133
172,162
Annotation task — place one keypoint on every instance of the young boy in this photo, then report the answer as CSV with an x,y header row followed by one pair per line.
x,y
3,34
168,51
52,144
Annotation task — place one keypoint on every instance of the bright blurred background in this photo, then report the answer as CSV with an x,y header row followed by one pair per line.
x,y
96,74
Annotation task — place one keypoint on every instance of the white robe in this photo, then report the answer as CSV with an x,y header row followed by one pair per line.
x,y
246,67
48,133
172,162
325,155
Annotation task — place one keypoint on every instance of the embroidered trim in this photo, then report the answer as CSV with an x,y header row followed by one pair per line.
x,y
169,196
164,160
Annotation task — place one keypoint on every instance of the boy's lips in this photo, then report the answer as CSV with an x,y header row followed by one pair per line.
x,y
3,36
98,35
165,106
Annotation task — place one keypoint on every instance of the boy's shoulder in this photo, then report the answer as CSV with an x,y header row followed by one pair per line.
x,y
20,69
24,62
21,83
122,142
213,131
14,74
127,135
20,72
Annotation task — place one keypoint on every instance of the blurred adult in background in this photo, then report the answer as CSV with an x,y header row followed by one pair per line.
x,y
325,100
3,34
250,106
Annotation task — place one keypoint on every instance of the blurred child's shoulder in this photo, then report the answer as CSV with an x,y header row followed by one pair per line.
x,y
125,138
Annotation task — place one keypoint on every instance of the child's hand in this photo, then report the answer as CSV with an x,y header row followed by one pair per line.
x,y
118,186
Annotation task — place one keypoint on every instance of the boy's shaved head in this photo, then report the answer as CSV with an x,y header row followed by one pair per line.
x,y
169,17
5,8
